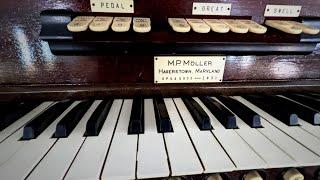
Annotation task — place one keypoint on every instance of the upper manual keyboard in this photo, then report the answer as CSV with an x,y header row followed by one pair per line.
x,y
139,138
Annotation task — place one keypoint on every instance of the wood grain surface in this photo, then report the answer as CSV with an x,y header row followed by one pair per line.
x,y
26,63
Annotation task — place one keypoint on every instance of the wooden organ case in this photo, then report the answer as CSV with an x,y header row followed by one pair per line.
x,y
41,60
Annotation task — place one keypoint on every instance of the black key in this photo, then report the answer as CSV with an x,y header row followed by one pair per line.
x,y
198,114
34,128
223,115
10,113
274,108
305,113
162,117
243,112
98,118
136,124
71,119
305,100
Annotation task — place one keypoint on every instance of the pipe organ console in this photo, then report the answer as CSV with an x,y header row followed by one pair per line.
x,y
176,89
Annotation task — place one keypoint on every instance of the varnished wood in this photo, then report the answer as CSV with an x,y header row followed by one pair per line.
x,y
139,69
29,71
27,65
121,90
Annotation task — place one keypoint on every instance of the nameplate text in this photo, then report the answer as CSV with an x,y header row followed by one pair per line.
x,y
211,9
188,69
112,6
282,11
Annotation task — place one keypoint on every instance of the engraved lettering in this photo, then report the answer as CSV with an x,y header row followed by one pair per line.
x,y
170,62
188,69
179,62
112,5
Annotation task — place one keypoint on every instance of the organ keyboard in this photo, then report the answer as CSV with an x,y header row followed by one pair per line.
x,y
120,138
179,89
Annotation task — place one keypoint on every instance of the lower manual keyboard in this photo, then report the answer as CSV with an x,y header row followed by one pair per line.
x,y
184,148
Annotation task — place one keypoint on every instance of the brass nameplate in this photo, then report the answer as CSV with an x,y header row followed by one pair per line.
x,y
188,69
282,11
112,6
223,9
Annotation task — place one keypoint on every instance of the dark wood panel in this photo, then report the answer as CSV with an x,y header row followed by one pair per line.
x,y
60,92
26,60
139,69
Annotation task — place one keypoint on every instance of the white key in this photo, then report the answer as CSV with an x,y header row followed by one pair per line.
x,y
121,24
254,27
100,23
182,156
198,25
121,159
80,23
211,153
314,130
24,160
141,25
11,145
243,156
57,161
179,25
305,28
305,138
235,26
152,157
94,150
284,26
5,133
268,151
302,155
217,26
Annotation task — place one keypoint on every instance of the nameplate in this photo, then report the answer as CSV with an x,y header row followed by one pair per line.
x,y
188,69
282,11
112,6
211,9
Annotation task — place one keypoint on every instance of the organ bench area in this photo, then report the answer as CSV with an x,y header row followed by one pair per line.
x,y
260,136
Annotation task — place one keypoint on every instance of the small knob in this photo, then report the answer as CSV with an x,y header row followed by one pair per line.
x,y
214,177
252,175
292,174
